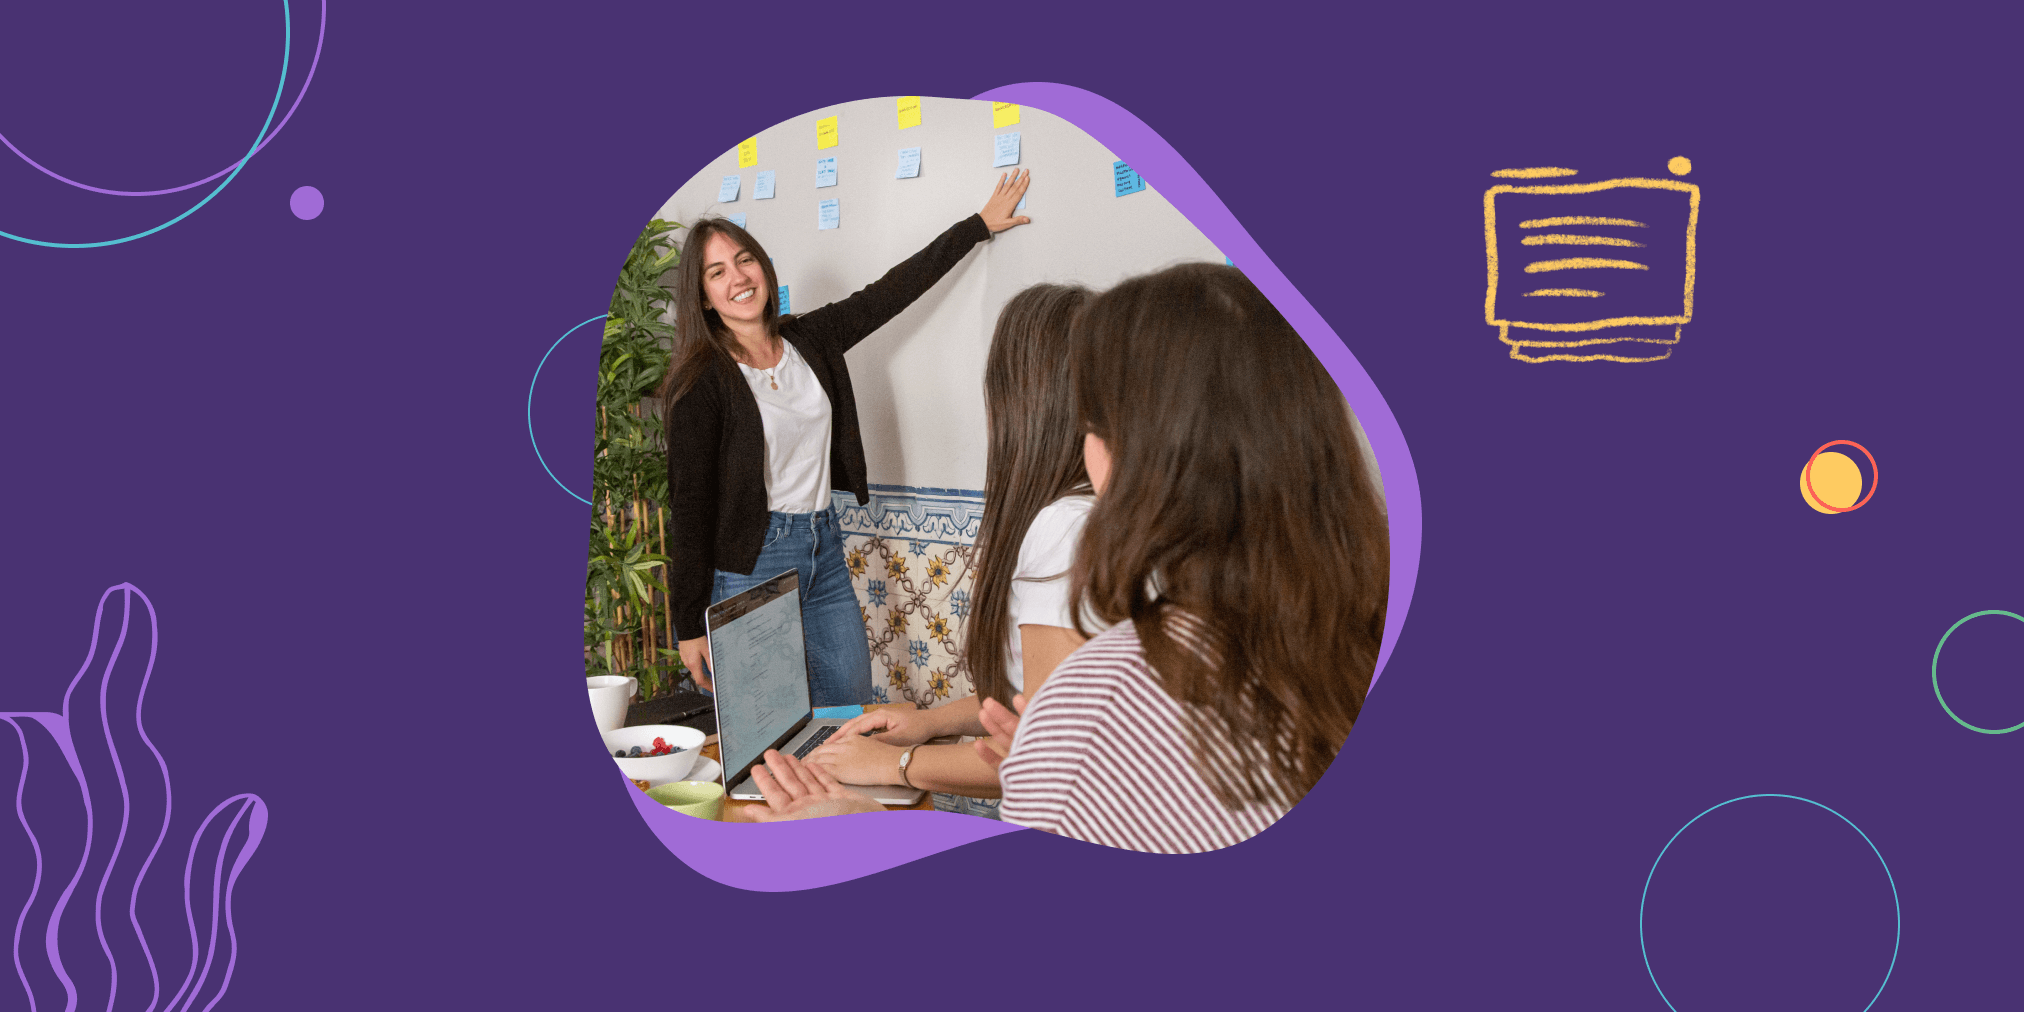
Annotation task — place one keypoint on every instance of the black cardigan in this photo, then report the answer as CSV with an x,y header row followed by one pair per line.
x,y
717,512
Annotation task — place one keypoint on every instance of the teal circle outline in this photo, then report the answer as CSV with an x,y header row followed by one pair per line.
x,y
530,407
287,45
1936,672
1892,879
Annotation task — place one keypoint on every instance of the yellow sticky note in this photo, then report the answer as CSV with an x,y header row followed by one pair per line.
x,y
1004,114
910,111
825,132
748,152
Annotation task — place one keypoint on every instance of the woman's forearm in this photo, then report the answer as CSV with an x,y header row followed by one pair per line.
x,y
952,769
959,717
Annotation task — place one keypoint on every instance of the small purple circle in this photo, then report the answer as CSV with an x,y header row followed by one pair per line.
x,y
306,202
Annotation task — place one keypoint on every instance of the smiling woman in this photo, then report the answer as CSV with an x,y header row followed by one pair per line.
x,y
761,422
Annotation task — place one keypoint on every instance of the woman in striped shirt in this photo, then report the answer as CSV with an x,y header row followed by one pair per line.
x,y
1238,544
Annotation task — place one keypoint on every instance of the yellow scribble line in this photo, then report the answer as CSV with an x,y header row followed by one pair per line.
x,y
1693,193
1582,263
1582,220
1557,239
1504,335
1586,293
1544,172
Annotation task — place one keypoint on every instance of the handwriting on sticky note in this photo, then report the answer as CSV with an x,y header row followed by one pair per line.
x,y
737,219
825,171
748,152
910,163
825,132
825,214
783,301
910,111
1005,150
1004,114
1127,180
728,189
762,189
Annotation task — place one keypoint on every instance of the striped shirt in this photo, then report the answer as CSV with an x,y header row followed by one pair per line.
x,y
1102,755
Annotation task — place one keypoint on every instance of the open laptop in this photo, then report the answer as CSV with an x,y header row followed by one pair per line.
x,y
760,666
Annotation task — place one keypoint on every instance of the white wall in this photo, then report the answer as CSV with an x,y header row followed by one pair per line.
x,y
919,379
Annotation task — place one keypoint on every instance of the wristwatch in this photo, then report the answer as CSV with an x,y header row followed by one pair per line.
x,y
905,758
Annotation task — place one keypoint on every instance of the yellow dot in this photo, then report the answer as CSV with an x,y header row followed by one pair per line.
x,y
1836,479
1680,166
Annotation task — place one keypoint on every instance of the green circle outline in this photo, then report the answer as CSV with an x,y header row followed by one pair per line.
x,y
1936,672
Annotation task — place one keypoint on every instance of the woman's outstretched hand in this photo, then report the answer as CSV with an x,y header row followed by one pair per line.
x,y
696,657
1002,724
796,790
997,212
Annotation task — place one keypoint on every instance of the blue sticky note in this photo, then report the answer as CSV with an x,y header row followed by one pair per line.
x,y
910,163
763,188
825,214
783,301
1227,262
1005,150
838,712
737,219
1127,180
1022,203
825,171
728,190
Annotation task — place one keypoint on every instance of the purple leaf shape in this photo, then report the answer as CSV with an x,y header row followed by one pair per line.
x,y
94,805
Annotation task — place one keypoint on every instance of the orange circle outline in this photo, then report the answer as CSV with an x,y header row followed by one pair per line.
x,y
1807,475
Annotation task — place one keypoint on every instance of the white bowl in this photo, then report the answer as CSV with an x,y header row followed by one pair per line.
x,y
660,769
610,695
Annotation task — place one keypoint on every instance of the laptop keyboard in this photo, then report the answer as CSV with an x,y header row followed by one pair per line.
x,y
816,741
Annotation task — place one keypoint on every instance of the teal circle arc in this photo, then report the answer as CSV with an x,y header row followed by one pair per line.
x,y
530,406
1937,694
280,87
1897,904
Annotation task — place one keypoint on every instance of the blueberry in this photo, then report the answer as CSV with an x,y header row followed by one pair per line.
x,y
635,750
619,752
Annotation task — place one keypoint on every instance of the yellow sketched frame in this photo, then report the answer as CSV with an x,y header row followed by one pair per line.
x,y
1693,193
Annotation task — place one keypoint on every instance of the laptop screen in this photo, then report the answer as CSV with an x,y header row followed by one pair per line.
x,y
761,671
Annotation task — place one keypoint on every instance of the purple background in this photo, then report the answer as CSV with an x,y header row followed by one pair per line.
x,y
305,441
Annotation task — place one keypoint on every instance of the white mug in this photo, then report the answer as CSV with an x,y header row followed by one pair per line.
x,y
609,697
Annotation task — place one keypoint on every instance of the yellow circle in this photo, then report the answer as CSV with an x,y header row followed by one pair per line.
x,y
1680,166
1837,481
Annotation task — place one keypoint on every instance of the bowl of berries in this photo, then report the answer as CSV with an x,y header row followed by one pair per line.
x,y
656,753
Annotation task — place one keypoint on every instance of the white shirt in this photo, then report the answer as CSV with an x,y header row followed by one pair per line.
x,y
796,418
1040,583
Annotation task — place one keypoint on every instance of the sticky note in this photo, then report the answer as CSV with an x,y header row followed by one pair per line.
x,y
728,189
910,111
825,214
737,219
1005,150
825,132
763,188
1127,180
748,152
910,163
783,300
838,712
825,171
1004,114
1227,262
1022,203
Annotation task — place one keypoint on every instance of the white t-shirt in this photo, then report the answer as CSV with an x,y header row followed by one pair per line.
x,y
796,418
1040,583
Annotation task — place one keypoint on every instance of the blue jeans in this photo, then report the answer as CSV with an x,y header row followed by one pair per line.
x,y
832,621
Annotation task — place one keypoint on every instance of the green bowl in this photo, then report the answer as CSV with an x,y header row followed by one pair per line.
x,y
703,799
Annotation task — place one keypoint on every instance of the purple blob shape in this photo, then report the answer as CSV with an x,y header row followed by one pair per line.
x,y
306,202
803,855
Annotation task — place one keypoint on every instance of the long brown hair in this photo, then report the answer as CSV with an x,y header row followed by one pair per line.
x,y
701,339
1034,457
1239,530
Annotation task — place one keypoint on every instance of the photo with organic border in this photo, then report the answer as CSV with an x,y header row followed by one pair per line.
x,y
943,464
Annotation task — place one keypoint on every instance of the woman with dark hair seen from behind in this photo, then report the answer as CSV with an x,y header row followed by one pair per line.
x,y
1020,624
761,424
1239,544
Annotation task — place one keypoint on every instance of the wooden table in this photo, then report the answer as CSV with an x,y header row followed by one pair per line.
x,y
739,811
